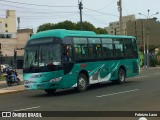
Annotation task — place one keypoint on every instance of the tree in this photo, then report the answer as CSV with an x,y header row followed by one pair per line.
x,y
101,31
65,25
46,26
86,26
61,25
71,26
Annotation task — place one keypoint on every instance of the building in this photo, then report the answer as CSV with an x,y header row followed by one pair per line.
x,y
147,32
8,24
114,27
12,41
13,47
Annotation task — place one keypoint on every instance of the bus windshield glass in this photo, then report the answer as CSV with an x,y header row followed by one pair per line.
x,y
41,55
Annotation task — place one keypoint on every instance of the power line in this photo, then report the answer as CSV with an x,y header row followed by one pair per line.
x,y
107,5
101,12
48,10
125,8
44,17
33,4
93,18
40,12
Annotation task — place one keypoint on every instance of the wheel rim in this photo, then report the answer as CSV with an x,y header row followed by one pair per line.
x,y
121,75
82,83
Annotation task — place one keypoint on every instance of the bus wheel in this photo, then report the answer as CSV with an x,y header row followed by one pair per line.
x,y
82,83
121,75
50,91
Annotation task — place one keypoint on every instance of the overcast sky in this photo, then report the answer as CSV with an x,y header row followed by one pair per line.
x,y
98,12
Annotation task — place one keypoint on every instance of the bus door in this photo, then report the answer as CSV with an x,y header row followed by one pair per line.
x,y
67,59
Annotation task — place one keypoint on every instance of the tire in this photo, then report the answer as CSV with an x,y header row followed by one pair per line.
x,y
9,84
18,81
82,83
50,91
121,77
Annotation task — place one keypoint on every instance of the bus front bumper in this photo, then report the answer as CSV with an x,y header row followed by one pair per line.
x,y
40,86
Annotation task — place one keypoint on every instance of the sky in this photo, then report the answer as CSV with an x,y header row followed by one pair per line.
x,y
34,13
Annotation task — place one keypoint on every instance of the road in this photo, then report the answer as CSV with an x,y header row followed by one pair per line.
x,y
140,93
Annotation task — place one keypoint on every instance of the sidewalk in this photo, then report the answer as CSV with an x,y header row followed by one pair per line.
x,y
11,89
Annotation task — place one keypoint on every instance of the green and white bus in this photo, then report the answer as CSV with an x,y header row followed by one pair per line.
x,y
61,59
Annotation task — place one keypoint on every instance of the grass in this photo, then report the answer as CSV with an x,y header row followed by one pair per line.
x,y
2,77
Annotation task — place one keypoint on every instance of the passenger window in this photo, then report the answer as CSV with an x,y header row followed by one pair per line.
x,y
119,50
95,48
81,51
107,47
130,48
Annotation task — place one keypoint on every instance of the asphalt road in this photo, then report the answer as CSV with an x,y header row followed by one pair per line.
x,y
140,93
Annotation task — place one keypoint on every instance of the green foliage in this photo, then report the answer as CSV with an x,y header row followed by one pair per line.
x,y
154,62
158,53
141,58
101,31
71,26
2,77
65,25
86,26
46,26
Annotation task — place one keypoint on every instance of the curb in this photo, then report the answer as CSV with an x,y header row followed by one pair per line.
x,y
11,91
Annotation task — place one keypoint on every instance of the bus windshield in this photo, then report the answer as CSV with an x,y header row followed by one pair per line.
x,y
42,55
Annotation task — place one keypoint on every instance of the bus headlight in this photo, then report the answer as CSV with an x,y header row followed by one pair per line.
x,y
55,79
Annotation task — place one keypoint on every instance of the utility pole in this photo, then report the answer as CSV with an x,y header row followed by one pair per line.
x,y
119,4
18,19
80,8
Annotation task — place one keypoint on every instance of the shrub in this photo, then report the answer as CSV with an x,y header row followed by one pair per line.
x,y
154,62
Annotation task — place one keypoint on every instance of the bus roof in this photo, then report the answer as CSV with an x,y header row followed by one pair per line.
x,y
61,33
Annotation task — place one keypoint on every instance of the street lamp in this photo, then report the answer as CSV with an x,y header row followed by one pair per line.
x,y
148,16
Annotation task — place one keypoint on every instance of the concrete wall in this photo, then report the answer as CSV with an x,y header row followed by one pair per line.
x,y
9,45
145,30
114,27
8,24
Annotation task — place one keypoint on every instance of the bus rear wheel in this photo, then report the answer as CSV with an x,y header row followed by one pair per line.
x,y
121,76
82,83
50,91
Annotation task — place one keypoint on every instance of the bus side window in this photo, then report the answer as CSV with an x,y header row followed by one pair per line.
x,y
107,47
98,50
118,48
81,51
84,51
95,47
129,49
91,51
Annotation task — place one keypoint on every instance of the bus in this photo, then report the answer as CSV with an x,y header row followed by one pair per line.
x,y
61,59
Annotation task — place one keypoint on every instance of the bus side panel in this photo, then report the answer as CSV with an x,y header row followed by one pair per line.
x,y
101,71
